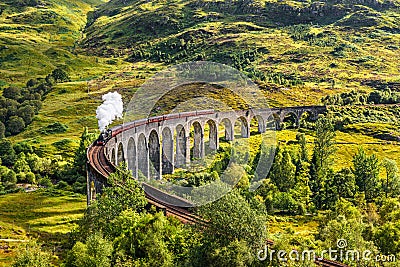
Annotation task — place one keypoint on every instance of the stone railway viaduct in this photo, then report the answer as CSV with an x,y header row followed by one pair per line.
x,y
157,145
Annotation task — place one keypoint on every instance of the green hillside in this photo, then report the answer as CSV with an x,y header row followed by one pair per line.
x,y
301,49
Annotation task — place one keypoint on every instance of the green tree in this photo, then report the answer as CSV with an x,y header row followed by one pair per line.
x,y
26,113
232,224
32,256
80,154
324,149
391,185
7,153
350,230
122,193
30,178
35,162
283,170
60,75
151,239
387,238
15,125
341,184
12,92
301,139
301,191
21,165
95,252
2,130
366,170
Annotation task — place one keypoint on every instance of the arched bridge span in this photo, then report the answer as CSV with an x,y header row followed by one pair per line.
x,y
156,146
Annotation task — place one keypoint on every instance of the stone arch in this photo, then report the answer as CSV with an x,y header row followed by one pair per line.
x,y
131,156
167,151
181,146
112,159
120,154
212,134
197,151
257,121
242,126
228,129
143,156
273,122
154,154
290,120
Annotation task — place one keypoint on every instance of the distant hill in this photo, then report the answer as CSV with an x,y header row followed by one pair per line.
x,y
37,36
317,46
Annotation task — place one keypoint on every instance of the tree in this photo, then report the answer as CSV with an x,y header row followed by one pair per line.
x,y
21,165
366,171
12,92
301,138
31,83
387,238
30,178
7,153
283,170
391,185
15,125
96,252
232,218
2,130
80,154
324,149
350,230
32,255
60,75
151,239
122,193
301,191
23,146
26,113
339,185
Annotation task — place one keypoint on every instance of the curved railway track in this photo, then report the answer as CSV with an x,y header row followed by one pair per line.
x,y
101,165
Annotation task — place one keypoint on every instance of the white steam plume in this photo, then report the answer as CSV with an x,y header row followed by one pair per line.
x,y
111,109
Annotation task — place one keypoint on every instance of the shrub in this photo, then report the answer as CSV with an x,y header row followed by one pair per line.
x,y
15,125
54,128
32,255
60,75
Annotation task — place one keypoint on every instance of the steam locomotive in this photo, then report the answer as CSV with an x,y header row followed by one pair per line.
x,y
110,133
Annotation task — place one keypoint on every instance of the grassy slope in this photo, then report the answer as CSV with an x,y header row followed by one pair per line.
x,y
36,40
37,215
215,31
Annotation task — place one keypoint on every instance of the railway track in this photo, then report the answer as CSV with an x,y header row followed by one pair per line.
x,y
99,162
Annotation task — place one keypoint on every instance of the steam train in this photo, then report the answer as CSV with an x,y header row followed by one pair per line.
x,y
110,133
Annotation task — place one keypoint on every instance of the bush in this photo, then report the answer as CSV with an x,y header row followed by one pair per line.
x,y
60,75
62,185
96,252
2,130
54,128
30,178
32,256
45,181
15,125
